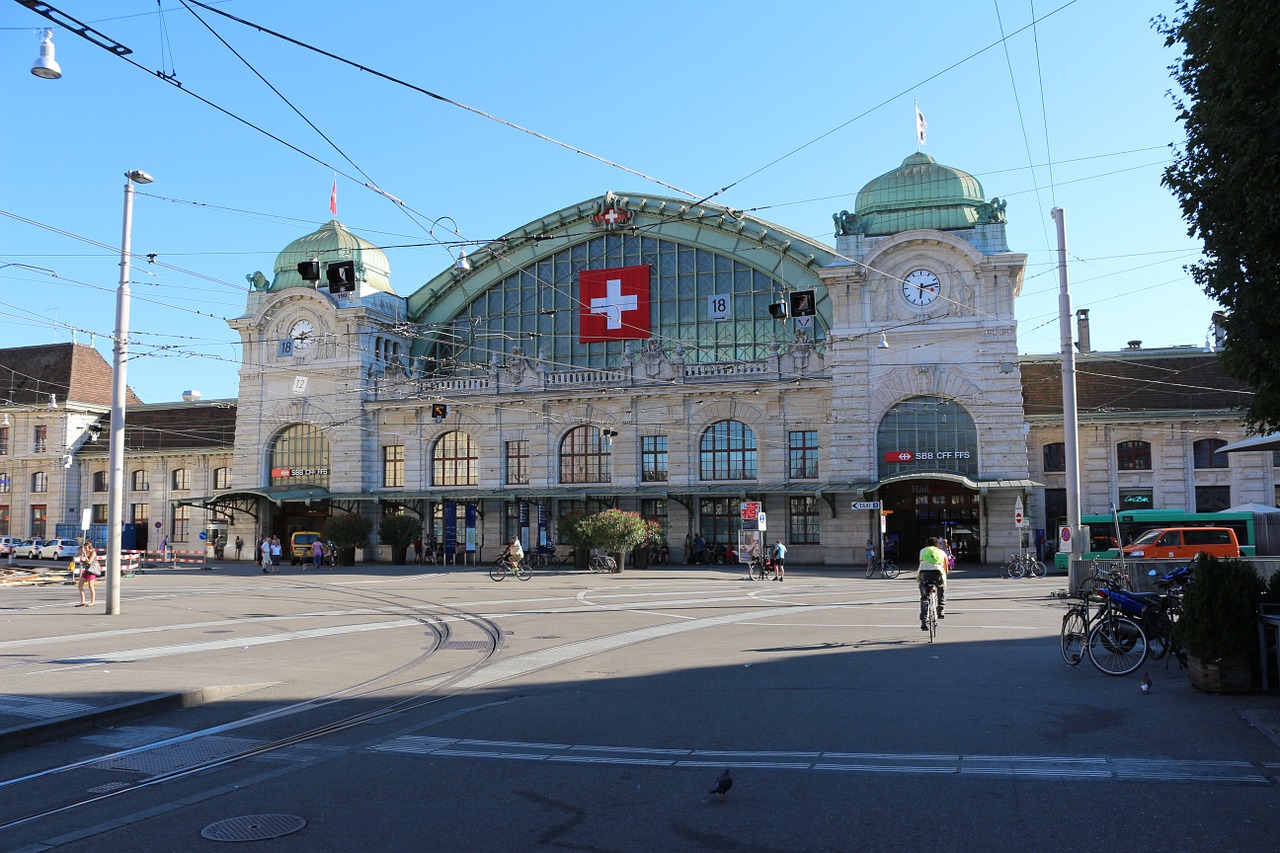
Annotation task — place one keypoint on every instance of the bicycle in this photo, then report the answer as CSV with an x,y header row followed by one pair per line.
x,y
1102,578
504,566
1075,630
758,569
1022,565
1116,644
602,564
886,568
931,613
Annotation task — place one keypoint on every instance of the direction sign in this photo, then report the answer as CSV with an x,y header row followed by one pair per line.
x,y
866,504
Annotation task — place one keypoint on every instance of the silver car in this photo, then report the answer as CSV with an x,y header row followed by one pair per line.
x,y
59,549
28,549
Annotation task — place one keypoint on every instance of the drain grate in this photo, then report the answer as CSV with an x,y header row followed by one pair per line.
x,y
165,759
467,645
253,827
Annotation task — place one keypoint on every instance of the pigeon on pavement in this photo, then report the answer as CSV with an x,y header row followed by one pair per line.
x,y
1145,684
723,784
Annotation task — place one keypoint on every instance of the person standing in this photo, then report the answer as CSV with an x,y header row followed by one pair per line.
x,y
871,553
317,554
779,560
264,550
933,566
90,569
239,546
699,548
417,551
275,554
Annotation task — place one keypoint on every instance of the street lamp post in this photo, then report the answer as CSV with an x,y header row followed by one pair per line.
x,y
119,394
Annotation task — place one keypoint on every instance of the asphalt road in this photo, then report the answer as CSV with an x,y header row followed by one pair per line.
x,y
390,708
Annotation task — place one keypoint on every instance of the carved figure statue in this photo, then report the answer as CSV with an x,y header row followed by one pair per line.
x,y
257,280
992,212
847,223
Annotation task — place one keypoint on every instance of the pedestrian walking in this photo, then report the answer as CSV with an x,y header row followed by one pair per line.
x,y
417,552
699,548
779,560
239,546
317,554
871,552
264,553
275,554
90,570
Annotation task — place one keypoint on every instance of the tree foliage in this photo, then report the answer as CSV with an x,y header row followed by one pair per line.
x,y
1226,177
613,530
399,531
347,530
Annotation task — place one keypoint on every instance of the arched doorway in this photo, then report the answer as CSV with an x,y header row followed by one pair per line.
x,y
921,508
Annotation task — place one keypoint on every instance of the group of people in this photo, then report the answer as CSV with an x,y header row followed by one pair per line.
x,y
267,554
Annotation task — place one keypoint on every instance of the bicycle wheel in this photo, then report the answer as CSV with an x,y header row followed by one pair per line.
x,y
498,572
933,613
1038,569
871,568
1117,645
523,572
596,565
1014,569
1159,635
889,570
1074,629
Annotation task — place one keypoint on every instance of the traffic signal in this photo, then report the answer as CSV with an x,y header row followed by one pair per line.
x,y
439,411
803,304
778,310
341,276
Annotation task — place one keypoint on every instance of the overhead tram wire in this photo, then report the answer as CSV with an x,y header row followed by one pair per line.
x,y
441,98
1022,122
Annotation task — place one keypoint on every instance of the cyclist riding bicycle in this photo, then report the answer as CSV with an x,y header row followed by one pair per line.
x,y
933,567
514,553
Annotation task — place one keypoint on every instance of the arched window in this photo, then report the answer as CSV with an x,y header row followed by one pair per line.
x,y
1206,453
1055,457
585,456
927,435
299,455
454,461
727,452
1133,456
222,478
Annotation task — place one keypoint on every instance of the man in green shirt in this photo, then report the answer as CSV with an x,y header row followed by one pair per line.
x,y
933,567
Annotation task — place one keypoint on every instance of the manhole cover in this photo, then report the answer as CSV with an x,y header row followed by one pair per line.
x,y
253,827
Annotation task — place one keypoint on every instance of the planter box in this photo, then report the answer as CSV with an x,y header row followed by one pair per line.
x,y
1220,676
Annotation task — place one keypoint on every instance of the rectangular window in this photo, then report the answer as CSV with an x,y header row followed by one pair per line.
x,y
802,524
654,509
518,463
39,519
222,478
99,514
393,465
181,479
803,447
4,441
1055,457
4,520
41,441
40,482
1212,498
181,523
653,458
1133,456
141,482
139,513
99,481
4,483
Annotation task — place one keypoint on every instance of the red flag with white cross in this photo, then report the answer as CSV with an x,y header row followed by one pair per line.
x,y
615,304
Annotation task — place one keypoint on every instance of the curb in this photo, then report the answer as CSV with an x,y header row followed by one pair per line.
x,y
61,728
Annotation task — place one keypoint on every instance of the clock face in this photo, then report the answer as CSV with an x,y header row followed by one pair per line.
x,y
303,332
921,287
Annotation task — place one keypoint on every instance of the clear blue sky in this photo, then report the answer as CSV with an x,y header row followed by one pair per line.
x,y
1073,112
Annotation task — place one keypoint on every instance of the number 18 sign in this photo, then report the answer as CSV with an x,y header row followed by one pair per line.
x,y
718,307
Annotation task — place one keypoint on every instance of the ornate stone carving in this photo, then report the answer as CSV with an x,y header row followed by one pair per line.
x,y
612,212
847,223
992,212
257,280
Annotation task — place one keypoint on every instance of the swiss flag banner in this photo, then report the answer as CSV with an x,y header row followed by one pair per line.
x,y
615,304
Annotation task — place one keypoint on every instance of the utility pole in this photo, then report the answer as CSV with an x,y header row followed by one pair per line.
x,y
1070,418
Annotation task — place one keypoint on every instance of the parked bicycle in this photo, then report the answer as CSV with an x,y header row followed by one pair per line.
x,y
759,569
884,567
1115,643
1157,612
1100,577
1024,565
504,566
602,563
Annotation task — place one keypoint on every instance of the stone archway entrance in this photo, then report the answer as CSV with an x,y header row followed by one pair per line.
x,y
921,508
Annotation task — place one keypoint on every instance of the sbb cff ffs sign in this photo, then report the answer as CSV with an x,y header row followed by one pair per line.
x,y
899,456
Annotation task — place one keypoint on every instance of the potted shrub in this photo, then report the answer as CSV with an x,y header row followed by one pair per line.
x,y
1218,627
613,531
399,531
573,533
347,532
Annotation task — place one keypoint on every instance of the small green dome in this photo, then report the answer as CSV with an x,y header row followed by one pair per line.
x,y
332,242
919,194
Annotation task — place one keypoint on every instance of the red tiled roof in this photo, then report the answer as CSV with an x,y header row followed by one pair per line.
x,y
1134,381
75,373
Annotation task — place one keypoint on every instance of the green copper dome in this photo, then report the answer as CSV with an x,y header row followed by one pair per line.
x,y
332,242
920,194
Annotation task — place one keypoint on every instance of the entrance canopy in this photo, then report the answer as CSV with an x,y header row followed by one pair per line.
x,y
1258,442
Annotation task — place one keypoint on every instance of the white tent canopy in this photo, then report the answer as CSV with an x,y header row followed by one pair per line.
x,y
1252,508
1258,442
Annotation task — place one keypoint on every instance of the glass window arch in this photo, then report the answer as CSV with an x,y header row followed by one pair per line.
x,y
1055,457
585,456
540,303
927,434
727,451
1133,456
454,460
299,455
1206,455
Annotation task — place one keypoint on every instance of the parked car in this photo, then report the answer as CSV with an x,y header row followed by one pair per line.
x,y
28,549
7,544
300,547
1184,543
59,549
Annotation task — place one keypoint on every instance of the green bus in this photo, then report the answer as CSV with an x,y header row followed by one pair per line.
x,y
1134,522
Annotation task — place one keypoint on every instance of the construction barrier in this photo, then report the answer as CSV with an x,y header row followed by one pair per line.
x,y
130,562
172,558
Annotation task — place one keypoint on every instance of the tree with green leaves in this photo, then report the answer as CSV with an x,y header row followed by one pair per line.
x,y
1226,177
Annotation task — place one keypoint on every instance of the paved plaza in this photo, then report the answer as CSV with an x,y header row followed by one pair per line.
x,y
371,706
